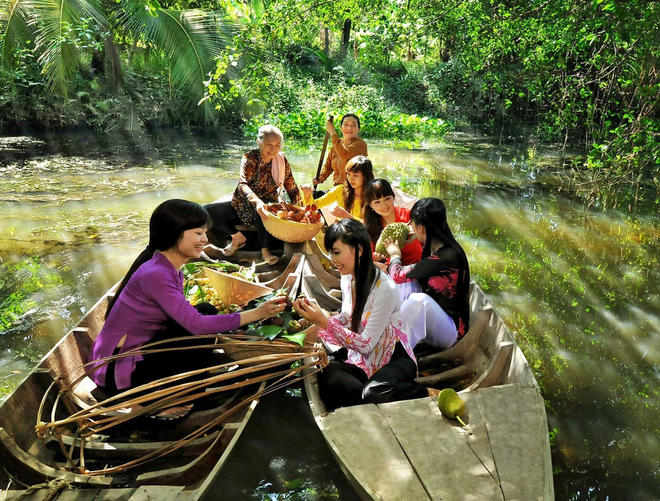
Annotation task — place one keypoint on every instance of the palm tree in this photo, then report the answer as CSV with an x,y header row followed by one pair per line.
x,y
190,39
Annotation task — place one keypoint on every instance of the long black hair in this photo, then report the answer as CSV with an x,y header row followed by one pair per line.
x,y
168,222
432,214
375,190
361,164
354,234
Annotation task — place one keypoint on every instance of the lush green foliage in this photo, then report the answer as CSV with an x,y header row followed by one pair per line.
x,y
19,287
88,50
301,111
581,72
276,72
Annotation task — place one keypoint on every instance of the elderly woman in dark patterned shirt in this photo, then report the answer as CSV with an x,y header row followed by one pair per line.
x,y
264,172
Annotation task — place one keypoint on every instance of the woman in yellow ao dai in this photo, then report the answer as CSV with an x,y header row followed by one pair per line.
x,y
348,197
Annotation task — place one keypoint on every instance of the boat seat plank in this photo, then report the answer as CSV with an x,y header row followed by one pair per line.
x,y
364,442
276,279
156,492
454,375
128,450
79,495
15,495
451,464
327,280
498,367
82,393
517,429
115,494
479,321
312,288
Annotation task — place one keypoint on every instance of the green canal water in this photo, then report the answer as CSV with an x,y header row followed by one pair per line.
x,y
578,286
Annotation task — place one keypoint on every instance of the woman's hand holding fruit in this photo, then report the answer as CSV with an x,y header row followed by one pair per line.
x,y
311,312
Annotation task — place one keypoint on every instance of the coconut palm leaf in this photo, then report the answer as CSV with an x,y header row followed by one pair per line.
x,y
192,40
14,28
55,22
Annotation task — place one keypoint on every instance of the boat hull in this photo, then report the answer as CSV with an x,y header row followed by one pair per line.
x,y
409,450
29,460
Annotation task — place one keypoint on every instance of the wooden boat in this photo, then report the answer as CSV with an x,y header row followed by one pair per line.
x,y
409,450
34,469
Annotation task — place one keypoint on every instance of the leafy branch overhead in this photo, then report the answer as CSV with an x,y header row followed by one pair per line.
x,y
67,35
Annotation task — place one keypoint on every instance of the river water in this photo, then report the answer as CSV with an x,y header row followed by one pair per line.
x,y
579,286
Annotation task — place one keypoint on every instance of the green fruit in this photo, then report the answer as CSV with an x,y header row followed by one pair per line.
x,y
294,327
450,404
396,231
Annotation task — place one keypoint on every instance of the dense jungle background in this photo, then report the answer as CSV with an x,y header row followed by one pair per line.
x,y
579,72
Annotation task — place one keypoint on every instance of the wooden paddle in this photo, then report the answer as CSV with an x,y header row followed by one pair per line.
x,y
318,169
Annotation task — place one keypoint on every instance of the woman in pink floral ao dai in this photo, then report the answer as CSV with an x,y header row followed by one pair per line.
x,y
373,360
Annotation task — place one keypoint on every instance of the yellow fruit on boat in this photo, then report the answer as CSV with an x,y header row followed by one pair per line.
x,y
452,406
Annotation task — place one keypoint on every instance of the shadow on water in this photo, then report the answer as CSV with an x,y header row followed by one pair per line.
x,y
578,286
282,455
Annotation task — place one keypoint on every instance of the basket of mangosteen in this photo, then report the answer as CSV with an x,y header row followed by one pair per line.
x,y
286,332
291,223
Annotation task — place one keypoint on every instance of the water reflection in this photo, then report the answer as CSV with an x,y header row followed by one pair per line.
x,y
578,286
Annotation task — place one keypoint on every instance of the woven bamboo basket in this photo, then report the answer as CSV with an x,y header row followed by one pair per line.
x,y
235,290
290,231
241,350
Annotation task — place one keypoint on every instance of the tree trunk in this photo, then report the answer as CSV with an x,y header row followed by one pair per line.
x,y
326,43
345,37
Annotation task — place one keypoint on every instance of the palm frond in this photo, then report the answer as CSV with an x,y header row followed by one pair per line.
x,y
55,21
14,29
191,40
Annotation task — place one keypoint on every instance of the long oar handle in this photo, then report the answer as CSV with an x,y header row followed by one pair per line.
x,y
325,145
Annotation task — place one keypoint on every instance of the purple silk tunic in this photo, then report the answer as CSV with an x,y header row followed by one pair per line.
x,y
153,295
